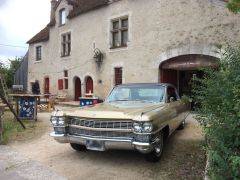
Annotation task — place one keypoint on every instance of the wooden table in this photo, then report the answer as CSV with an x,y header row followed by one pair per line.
x,y
26,105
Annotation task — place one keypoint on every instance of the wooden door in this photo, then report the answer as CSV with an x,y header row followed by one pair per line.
x,y
78,92
89,85
46,85
168,76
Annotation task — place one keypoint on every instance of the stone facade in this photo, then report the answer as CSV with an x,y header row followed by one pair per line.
x,y
158,30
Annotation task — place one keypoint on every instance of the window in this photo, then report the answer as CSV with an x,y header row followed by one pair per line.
x,y
119,32
65,73
38,53
65,79
62,17
118,75
66,45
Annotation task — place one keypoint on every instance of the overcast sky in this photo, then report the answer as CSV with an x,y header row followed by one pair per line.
x,y
19,21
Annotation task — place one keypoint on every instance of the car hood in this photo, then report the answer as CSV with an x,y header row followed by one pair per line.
x,y
115,110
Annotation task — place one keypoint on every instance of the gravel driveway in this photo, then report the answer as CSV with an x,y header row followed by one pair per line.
x,y
183,157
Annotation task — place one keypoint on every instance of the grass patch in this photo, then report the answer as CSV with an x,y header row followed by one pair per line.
x,y
13,131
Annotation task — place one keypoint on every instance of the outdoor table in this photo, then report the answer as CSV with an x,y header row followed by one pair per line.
x,y
26,106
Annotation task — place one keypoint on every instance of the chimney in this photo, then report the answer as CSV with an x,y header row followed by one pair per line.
x,y
53,6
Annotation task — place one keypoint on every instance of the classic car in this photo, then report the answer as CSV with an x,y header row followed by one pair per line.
x,y
133,117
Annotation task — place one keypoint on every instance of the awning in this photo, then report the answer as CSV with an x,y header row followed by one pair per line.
x,y
190,62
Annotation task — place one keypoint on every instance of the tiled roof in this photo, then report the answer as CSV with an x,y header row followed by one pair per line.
x,y
79,7
43,35
82,6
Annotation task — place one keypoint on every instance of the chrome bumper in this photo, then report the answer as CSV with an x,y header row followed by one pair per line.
x,y
121,144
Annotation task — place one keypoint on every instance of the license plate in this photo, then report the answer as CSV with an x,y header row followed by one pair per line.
x,y
95,145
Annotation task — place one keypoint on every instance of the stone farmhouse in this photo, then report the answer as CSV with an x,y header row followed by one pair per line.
x,y
90,46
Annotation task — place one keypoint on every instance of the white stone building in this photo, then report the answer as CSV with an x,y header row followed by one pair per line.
x,y
139,40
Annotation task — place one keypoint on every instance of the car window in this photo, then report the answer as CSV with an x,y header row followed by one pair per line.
x,y
137,93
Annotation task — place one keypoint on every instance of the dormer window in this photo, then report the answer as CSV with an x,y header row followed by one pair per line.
x,y
62,17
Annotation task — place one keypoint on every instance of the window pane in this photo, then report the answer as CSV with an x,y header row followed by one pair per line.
x,y
124,38
118,76
115,25
38,53
115,39
62,15
125,23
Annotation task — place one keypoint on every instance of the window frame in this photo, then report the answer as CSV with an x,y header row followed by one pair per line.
x,y
66,48
62,17
118,80
38,53
118,28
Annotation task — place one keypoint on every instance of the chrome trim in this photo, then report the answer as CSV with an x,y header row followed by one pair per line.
x,y
100,129
110,143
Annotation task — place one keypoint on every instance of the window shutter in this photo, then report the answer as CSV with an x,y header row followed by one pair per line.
x,y
60,84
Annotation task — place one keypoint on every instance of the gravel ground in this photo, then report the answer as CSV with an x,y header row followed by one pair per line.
x,y
183,157
14,166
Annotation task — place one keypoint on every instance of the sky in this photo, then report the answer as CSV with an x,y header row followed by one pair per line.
x,y
20,20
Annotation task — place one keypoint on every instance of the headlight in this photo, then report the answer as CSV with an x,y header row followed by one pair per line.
x,y
61,121
147,127
137,127
57,121
54,120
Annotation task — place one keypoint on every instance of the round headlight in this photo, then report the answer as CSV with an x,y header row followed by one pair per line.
x,y
137,127
147,127
54,120
61,121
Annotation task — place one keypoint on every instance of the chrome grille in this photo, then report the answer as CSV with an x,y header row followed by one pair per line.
x,y
103,124
101,128
100,134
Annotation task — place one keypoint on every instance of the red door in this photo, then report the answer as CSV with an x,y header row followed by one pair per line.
x,y
46,86
77,89
168,76
89,85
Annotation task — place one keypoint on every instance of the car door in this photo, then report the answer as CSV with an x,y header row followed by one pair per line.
x,y
174,105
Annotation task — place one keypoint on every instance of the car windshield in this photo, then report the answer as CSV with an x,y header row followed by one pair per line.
x,y
151,93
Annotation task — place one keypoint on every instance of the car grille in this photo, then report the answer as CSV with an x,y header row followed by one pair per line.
x,y
127,125
101,128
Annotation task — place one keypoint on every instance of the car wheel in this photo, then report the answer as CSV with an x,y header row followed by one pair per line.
x,y
181,126
78,147
156,154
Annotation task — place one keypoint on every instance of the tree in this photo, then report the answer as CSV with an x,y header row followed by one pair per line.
x,y
8,72
218,95
234,6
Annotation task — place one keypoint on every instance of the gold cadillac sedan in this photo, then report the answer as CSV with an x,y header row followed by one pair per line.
x,y
133,117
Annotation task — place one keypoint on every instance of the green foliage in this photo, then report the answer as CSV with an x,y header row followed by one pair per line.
x,y
218,94
8,72
234,6
9,127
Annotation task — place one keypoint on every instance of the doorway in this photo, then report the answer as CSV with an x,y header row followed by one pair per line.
x,y
46,85
77,89
89,85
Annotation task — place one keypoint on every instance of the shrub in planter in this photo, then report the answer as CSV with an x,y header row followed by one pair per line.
x,y
218,94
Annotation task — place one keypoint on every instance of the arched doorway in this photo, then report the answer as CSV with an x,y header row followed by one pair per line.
x,y
89,85
77,88
182,69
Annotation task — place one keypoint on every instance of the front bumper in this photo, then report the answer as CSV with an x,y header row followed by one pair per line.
x,y
108,143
